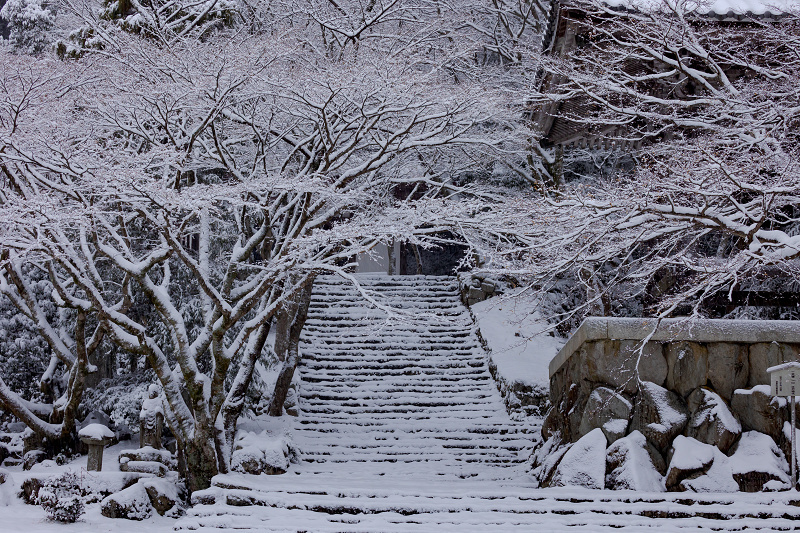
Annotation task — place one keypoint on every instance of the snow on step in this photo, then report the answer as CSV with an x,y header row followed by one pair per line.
x,y
401,382
347,500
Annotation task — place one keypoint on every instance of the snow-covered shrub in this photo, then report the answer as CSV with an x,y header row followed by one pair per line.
x,y
29,22
61,499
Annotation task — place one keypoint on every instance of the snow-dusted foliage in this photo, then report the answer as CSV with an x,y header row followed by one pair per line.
x,y
29,23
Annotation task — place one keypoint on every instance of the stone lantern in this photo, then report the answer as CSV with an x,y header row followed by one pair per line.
x,y
96,436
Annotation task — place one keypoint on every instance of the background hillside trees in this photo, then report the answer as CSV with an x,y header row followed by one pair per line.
x,y
711,206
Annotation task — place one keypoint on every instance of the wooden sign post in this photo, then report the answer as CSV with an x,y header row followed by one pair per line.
x,y
785,381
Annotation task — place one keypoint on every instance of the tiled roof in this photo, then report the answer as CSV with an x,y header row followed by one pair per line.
x,y
718,8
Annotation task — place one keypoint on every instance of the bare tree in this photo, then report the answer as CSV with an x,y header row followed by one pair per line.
x,y
710,110
231,170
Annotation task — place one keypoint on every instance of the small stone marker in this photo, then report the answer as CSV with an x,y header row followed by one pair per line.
x,y
785,381
96,436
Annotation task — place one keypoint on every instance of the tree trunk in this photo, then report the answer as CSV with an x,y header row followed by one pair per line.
x,y
390,268
200,461
292,358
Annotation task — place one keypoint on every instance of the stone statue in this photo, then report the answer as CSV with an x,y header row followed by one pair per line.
x,y
151,419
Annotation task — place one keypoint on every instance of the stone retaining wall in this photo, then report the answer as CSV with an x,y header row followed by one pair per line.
x,y
685,386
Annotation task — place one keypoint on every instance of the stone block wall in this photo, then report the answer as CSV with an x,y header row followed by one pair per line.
x,y
678,390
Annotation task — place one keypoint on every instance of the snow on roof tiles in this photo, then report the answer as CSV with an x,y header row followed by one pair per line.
x,y
719,8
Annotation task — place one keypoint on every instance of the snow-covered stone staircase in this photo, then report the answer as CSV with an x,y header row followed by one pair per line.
x,y
403,392
402,429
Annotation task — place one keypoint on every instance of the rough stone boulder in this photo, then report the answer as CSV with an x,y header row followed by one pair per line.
x,y
138,501
132,503
728,368
163,496
687,364
758,464
758,410
260,453
144,467
607,410
659,414
621,364
632,463
764,355
710,420
698,467
545,459
584,464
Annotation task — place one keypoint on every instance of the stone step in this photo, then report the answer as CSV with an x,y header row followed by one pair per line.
x,y
434,349
389,419
395,378
319,501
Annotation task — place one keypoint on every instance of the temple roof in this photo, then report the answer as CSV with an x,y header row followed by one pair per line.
x,y
717,8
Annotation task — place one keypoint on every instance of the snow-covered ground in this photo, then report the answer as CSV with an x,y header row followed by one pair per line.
x,y
18,517
518,337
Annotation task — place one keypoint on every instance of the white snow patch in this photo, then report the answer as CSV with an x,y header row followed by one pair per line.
x,y
584,464
691,454
518,337
636,471
757,452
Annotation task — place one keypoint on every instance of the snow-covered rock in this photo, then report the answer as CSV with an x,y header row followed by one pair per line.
x,y
699,467
144,467
132,503
260,453
757,463
659,414
633,464
711,421
584,464
148,453
758,410
687,457
545,459
607,410
164,496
